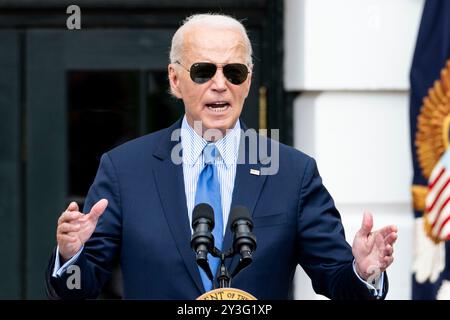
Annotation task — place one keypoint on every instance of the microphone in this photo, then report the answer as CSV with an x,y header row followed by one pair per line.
x,y
202,240
244,241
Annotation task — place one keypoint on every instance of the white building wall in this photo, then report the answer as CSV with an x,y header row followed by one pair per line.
x,y
349,61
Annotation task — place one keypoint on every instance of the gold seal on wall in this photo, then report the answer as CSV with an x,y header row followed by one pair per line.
x,y
226,294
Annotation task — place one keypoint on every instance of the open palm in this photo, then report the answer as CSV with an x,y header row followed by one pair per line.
x,y
373,250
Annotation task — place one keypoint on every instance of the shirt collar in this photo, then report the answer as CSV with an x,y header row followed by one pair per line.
x,y
192,144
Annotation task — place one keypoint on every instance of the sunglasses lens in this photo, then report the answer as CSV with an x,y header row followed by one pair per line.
x,y
236,73
202,72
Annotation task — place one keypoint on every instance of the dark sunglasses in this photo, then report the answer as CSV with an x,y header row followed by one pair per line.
x,y
202,72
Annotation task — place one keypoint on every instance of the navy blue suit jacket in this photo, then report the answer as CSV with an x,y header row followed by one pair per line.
x,y
146,227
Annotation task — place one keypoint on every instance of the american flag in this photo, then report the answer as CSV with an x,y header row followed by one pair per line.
x,y
437,212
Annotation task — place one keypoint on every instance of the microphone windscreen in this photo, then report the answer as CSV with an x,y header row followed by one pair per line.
x,y
203,210
238,213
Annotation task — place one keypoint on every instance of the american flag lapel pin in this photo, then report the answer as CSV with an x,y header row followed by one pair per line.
x,y
255,172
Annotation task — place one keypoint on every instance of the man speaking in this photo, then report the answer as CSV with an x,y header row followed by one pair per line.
x,y
139,209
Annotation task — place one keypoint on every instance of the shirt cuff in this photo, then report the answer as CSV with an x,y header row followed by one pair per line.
x,y
376,284
57,269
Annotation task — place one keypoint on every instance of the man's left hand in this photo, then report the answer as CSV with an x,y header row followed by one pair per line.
x,y
373,249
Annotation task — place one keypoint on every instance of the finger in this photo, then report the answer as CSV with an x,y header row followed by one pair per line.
x,y
69,216
385,231
98,209
387,261
367,224
68,227
73,206
391,238
388,250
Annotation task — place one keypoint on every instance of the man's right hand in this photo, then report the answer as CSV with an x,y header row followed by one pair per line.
x,y
75,228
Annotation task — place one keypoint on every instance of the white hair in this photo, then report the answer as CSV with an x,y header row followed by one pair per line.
x,y
204,20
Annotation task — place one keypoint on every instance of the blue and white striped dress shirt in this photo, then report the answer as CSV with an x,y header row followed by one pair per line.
x,y
193,163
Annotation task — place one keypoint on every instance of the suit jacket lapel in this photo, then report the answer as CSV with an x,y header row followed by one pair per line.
x,y
247,188
170,183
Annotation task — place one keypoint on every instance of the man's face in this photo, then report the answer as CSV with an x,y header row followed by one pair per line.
x,y
217,103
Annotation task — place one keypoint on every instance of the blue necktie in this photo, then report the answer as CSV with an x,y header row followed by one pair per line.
x,y
208,191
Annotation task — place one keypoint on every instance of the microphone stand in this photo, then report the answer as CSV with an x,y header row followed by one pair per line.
x,y
224,277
